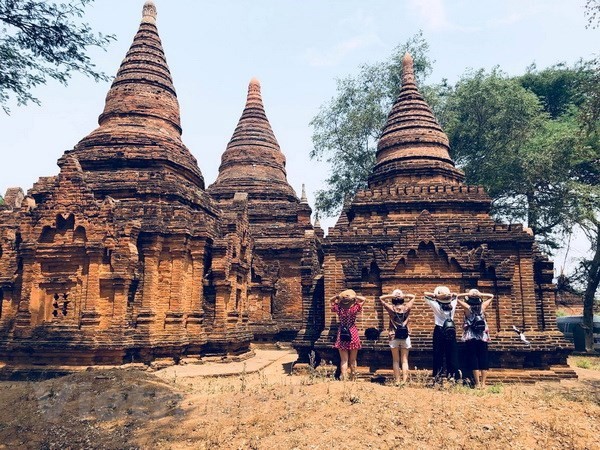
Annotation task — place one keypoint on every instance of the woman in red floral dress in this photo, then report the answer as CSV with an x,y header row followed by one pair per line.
x,y
347,305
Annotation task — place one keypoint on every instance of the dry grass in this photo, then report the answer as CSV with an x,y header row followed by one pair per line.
x,y
586,362
269,410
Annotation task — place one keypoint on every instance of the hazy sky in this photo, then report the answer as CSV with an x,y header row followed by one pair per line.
x,y
296,48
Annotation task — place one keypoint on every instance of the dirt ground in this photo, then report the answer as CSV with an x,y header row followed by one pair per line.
x,y
127,409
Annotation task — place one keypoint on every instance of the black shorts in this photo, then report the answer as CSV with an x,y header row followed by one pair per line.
x,y
476,355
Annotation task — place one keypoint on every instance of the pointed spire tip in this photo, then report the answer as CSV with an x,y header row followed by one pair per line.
x,y
303,198
254,88
408,72
149,12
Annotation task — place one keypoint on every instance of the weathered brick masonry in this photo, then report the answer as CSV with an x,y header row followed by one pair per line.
x,y
417,226
286,272
123,256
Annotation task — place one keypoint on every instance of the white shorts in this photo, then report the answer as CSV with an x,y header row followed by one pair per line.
x,y
400,343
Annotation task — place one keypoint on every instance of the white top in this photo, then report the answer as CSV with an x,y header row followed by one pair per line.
x,y
440,315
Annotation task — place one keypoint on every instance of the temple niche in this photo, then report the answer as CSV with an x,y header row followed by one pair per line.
x,y
123,256
416,226
286,262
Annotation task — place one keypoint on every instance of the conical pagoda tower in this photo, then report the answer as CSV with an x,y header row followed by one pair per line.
x,y
254,164
123,256
137,148
413,148
253,161
418,226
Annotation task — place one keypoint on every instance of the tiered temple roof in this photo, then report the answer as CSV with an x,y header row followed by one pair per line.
x,y
137,148
253,161
413,147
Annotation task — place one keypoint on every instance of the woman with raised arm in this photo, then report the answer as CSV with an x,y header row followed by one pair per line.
x,y
476,334
398,310
347,305
443,304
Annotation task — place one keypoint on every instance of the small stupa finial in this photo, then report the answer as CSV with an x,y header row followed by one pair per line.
x,y
317,221
149,12
254,89
303,198
408,71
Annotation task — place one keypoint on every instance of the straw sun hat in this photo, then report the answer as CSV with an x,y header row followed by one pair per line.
x,y
397,293
347,297
473,297
442,294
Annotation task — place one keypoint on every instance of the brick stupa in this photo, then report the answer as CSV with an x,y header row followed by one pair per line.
x,y
286,248
416,226
123,256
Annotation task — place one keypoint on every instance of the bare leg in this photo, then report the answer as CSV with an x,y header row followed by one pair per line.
x,y
343,363
396,363
483,377
353,355
404,357
477,378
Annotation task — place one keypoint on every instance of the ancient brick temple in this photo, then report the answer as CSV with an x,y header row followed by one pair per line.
x,y
123,256
286,264
417,226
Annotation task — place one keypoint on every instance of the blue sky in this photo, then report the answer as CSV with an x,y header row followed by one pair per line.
x,y
297,49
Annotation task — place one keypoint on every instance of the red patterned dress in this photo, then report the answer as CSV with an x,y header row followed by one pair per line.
x,y
347,317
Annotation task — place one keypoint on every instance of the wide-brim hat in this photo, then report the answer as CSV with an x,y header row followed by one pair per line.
x,y
347,297
397,293
474,297
443,294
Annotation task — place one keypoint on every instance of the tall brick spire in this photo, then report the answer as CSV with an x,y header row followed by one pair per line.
x,y
253,161
143,85
413,147
139,137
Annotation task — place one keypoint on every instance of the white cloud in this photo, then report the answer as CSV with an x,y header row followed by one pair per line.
x,y
335,54
432,12
434,18
361,32
512,18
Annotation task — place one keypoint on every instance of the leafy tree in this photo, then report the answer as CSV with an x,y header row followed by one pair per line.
x,y
347,128
539,157
592,13
587,185
1,201
558,86
504,140
41,40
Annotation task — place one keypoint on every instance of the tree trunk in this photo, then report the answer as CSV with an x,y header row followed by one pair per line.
x,y
590,295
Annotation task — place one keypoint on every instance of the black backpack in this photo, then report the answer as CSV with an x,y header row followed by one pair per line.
x,y
477,323
401,330
448,327
449,330
345,335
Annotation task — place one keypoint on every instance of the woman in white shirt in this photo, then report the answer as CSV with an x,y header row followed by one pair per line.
x,y
443,304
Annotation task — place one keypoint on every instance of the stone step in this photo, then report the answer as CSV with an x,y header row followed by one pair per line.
x,y
525,376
